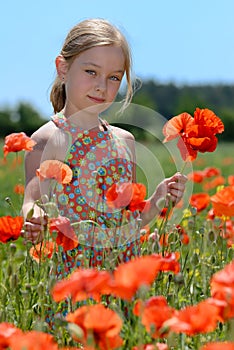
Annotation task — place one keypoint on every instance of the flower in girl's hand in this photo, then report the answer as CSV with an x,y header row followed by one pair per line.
x,y
196,134
17,142
127,195
54,169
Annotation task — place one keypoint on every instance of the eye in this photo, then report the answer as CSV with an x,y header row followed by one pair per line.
x,y
90,72
115,78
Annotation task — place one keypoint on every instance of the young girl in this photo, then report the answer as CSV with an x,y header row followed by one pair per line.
x,y
93,61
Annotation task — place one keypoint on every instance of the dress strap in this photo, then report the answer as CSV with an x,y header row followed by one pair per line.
x,y
61,121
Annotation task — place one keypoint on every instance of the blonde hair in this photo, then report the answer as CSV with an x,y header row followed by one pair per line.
x,y
85,35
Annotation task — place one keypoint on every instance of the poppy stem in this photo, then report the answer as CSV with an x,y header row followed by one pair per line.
x,y
164,222
183,167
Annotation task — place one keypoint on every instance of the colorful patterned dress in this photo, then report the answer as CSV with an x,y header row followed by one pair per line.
x,y
98,159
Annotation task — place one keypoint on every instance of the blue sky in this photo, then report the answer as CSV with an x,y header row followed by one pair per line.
x,y
179,41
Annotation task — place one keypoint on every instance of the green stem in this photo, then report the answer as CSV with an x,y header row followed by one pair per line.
x,y
183,167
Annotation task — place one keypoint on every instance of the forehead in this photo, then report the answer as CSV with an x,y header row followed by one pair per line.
x,y
104,56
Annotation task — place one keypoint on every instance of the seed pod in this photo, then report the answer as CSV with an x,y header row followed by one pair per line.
x,y
30,214
195,259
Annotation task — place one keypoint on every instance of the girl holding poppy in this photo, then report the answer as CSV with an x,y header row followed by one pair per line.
x,y
93,61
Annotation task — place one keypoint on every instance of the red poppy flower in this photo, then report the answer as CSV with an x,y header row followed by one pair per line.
x,y
199,139
217,181
66,236
7,330
43,250
223,202
200,201
82,284
154,312
17,142
222,287
231,180
196,134
127,194
211,171
177,126
200,318
186,150
199,175
168,262
183,237
32,340
145,232
129,277
196,176
10,228
218,346
206,117
103,323
19,189
54,169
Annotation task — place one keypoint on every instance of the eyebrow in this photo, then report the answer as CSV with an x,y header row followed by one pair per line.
x,y
96,65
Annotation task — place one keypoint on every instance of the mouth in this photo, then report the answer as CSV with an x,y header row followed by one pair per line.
x,y
96,99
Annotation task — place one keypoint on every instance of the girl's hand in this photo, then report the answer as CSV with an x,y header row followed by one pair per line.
x,y
171,188
34,228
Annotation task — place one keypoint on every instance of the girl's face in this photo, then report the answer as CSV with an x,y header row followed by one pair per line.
x,y
93,79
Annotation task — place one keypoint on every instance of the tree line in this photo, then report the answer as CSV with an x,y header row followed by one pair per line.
x,y
167,99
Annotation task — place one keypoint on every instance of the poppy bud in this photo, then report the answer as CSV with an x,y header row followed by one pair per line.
x,y
75,331
195,259
30,214
51,209
40,288
179,278
12,249
14,281
211,236
9,270
193,211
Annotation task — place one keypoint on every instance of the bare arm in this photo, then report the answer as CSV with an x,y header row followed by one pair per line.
x,y
173,186
35,218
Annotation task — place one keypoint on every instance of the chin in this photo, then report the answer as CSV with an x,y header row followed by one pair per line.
x,y
97,108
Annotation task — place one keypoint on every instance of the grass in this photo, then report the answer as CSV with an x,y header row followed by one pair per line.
x,y
25,284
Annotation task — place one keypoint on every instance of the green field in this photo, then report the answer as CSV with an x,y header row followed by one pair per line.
x,y
25,284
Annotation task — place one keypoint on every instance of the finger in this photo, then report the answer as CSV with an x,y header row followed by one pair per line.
x,y
176,186
28,226
24,234
38,220
181,177
176,193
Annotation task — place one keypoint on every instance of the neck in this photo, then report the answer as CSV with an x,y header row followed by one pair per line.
x,y
83,119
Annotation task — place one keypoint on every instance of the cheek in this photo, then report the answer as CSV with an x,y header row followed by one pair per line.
x,y
112,91
75,85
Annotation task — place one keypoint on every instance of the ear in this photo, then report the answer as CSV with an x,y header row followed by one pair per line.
x,y
61,67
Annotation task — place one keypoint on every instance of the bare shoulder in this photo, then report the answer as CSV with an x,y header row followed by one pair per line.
x,y
43,134
122,133
128,138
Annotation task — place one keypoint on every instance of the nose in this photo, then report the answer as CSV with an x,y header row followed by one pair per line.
x,y
100,84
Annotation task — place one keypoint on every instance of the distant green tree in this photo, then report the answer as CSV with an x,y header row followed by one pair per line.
x,y
22,118
29,118
166,99
7,125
